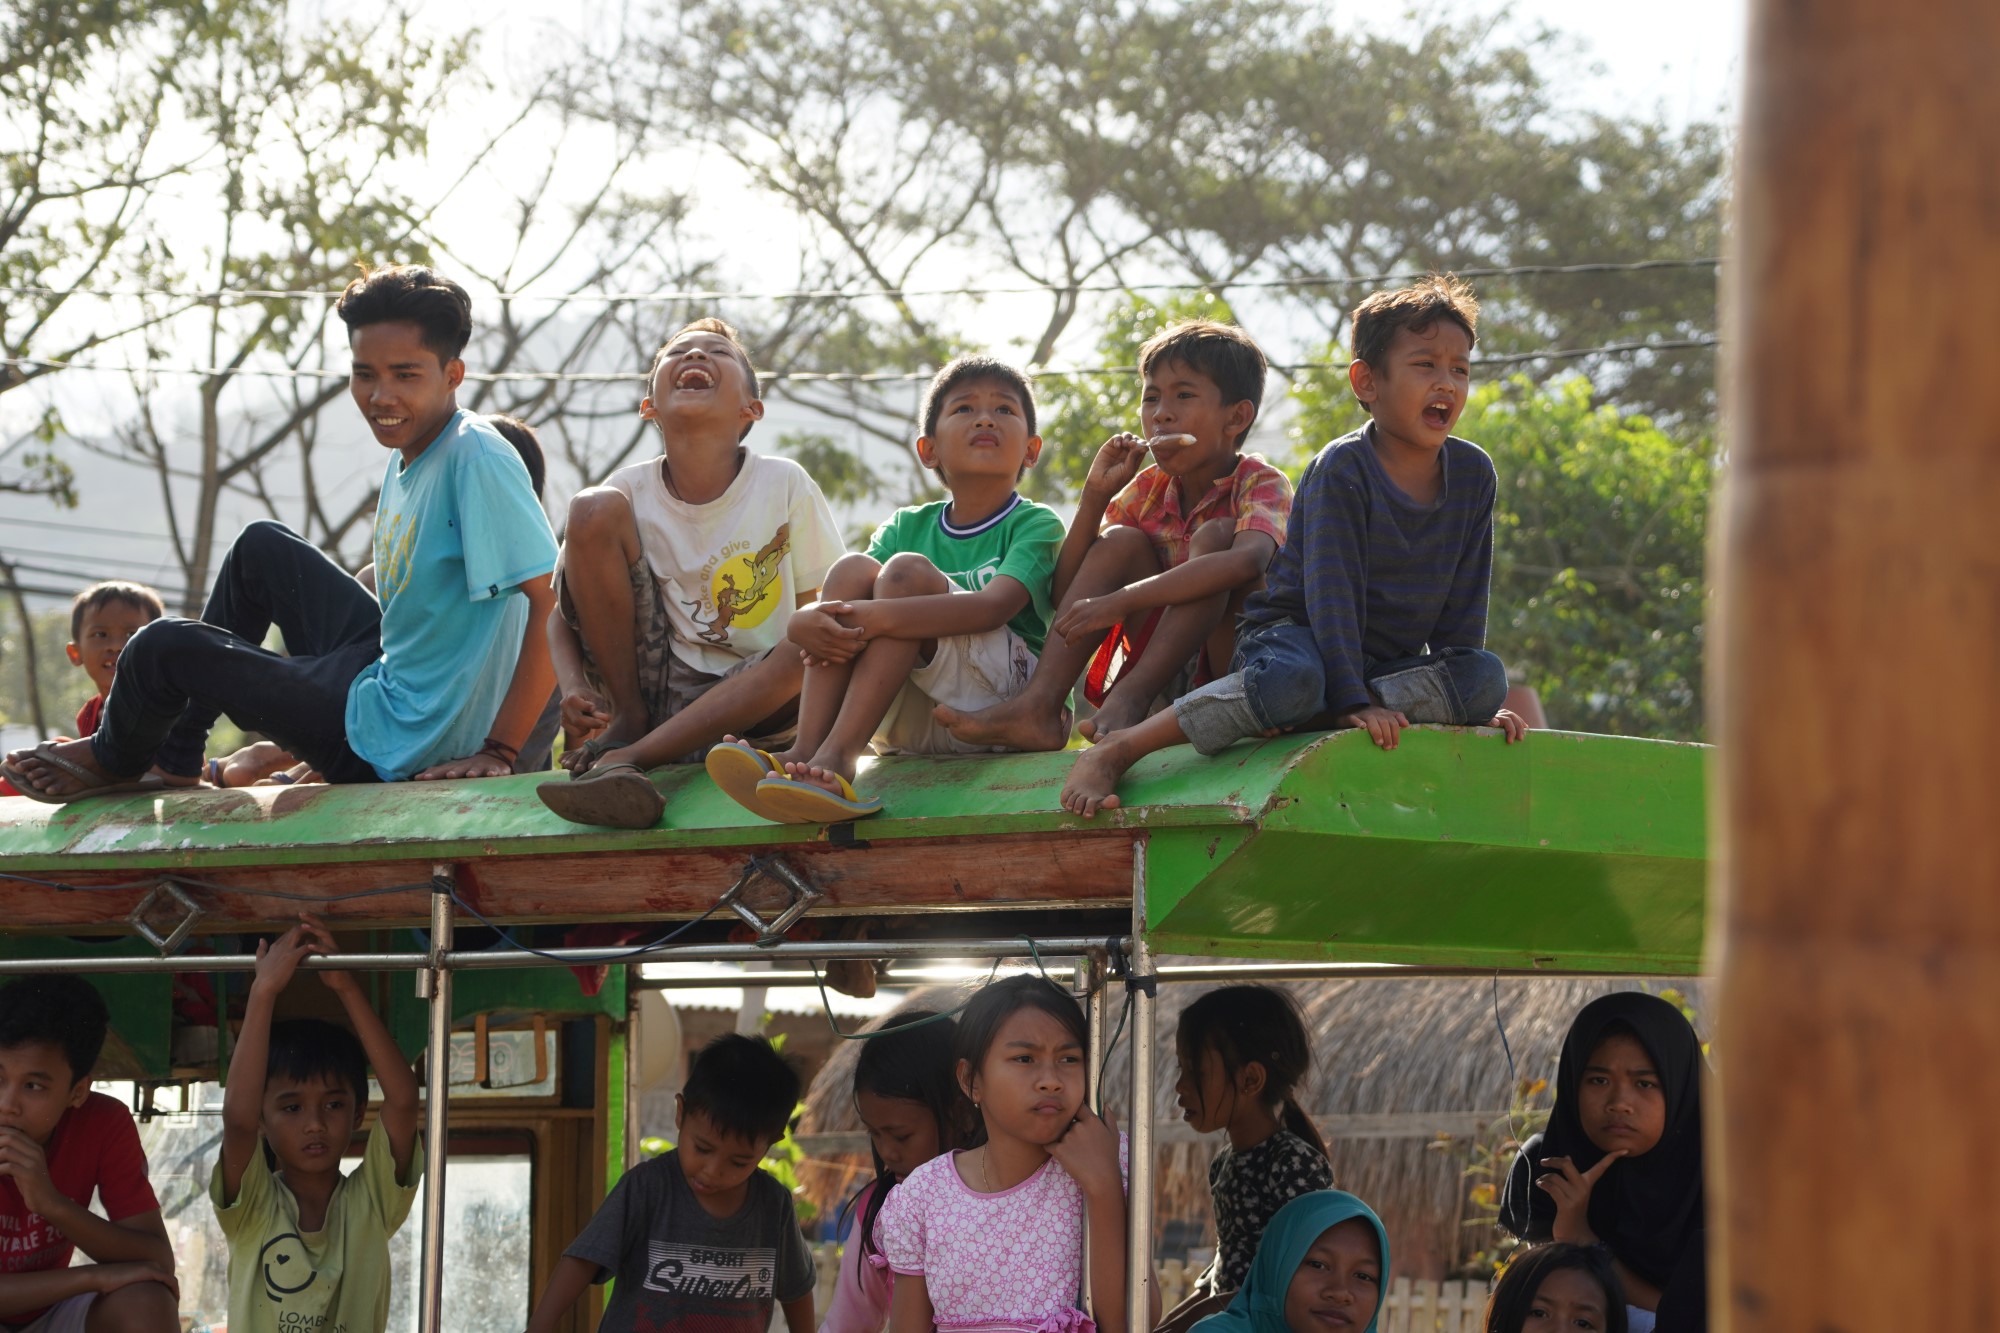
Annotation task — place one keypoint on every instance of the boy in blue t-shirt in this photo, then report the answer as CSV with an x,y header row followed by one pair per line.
x,y
440,674
949,607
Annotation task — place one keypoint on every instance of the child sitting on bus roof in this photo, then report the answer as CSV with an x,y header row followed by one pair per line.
x,y
102,620
309,1244
61,1143
439,675
1182,544
700,1238
1374,612
949,607
677,579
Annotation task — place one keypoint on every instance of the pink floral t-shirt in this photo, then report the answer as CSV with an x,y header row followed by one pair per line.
x,y
1009,1262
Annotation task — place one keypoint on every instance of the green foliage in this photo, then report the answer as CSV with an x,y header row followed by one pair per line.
x,y
844,476
1077,413
782,1162
1599,539
1488,1159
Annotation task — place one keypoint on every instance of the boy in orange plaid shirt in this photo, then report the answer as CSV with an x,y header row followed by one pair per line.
x,y
1158,560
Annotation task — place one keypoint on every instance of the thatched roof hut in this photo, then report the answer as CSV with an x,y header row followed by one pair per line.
x,y
1412,1084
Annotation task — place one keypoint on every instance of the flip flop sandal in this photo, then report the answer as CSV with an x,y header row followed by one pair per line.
x,y
591,750
610,796
737,767
797,802
93,784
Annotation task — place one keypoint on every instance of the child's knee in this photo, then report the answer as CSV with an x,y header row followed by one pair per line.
x,y
261,535
1482,681
1130,547
853,575
1213,537
599,513
907,574
1284,678
143,1307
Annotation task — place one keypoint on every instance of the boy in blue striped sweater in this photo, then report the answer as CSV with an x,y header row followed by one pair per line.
x,y
1373,614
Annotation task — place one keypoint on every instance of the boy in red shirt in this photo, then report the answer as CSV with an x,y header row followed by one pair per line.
x,y
1159,559
59,1144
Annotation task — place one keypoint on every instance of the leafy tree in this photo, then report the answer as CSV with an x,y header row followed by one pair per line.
x,y
1213,142
82,88
1599,542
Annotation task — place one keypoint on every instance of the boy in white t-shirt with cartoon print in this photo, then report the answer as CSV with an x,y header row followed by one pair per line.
x,y
677,580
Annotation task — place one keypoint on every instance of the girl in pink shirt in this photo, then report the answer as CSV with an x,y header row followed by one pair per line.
x,y
991,1239
907,1095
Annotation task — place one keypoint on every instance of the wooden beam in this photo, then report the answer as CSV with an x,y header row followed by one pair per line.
x,y
1857,716
1043,871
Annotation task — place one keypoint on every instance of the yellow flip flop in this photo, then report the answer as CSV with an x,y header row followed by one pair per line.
x,y
737,767
799,802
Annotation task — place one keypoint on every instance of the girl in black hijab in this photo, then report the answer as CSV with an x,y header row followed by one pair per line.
x,y
1620,1163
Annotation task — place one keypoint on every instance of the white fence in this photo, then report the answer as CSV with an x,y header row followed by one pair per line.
x,y
1407,1307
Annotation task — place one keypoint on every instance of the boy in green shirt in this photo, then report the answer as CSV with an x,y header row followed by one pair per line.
x,y
949,607
309,1246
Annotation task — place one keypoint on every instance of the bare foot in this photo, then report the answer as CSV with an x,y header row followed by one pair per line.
x,y
52,781
1017,724
1115,715
1093,781
826,778
251,764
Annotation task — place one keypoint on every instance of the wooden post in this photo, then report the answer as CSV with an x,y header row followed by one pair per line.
x,y
1857,923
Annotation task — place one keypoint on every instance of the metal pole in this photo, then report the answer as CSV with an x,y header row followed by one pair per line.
x,y
1140,983
1092,977
462,960
434,985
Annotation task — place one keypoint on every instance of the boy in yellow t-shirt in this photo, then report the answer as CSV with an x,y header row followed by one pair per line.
x,y
309,1246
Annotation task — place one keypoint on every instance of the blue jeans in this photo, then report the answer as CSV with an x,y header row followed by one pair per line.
x,y
1279,684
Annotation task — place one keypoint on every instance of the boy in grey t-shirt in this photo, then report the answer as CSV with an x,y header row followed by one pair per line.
x,y
700,1240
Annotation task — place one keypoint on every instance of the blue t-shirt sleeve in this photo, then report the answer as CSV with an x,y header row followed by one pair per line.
x,y
1329,525
1461,622
504,533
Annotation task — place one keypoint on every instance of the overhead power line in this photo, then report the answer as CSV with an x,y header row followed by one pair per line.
x,y
896,293
838,376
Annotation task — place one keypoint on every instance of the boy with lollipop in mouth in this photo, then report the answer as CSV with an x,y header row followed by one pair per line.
x,y
1159,558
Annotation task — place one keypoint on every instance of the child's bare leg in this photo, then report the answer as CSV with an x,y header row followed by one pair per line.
x,y
1093,782
878,673
1033,719
852,579
141,1307
600,546
1182,632
731,706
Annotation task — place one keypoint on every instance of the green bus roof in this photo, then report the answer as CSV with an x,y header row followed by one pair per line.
x,y
1565,851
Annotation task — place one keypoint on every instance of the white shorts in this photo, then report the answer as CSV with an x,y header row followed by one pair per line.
x,y
968,672
63,1317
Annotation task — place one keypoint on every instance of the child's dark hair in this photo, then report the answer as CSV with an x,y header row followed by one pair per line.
x,y
967,369
135,595
743,1087
306,1050
66,1012
981,1019
527,443
1419,306
1507,1310
1239,1024
415,294
913,1064
1223,352
724,330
